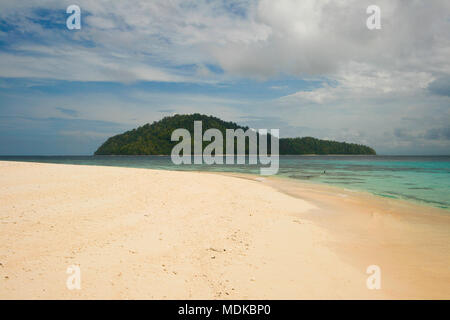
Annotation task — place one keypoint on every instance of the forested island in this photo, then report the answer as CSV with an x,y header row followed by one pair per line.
x,y
155,139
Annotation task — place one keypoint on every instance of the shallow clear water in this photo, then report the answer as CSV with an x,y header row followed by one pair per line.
x,y
424,179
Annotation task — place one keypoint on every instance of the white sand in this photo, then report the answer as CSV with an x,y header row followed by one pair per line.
x,y
148,234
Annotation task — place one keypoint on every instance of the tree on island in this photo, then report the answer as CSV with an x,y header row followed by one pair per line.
x,y
155,139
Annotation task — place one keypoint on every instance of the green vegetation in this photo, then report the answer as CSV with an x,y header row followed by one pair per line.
x,y
309,145
154,139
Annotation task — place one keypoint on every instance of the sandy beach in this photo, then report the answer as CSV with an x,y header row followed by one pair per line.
x,y
150,234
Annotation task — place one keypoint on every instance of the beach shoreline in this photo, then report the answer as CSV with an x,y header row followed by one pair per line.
x,y
278,181
419,180
154,234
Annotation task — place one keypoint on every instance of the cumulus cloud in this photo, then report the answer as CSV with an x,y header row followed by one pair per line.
x,y
146,40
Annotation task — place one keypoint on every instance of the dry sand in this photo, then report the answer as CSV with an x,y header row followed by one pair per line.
x,y
149,234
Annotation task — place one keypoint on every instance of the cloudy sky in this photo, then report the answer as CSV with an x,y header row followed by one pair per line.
x,y
309,68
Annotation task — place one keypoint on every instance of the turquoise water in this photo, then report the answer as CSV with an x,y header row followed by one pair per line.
x,y
419,178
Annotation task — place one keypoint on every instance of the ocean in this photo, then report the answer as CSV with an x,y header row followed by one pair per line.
x,y
423,179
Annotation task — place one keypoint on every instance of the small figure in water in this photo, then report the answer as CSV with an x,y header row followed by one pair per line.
x,y
324,171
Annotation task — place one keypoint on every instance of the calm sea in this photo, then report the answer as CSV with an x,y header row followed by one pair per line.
x,y
424,179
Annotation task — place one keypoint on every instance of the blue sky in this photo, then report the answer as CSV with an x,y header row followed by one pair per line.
x,y
307,68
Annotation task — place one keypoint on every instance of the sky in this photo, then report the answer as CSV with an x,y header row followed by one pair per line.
x,y
308,68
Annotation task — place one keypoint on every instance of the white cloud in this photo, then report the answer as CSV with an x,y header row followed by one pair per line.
x,y
144,40
362,81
